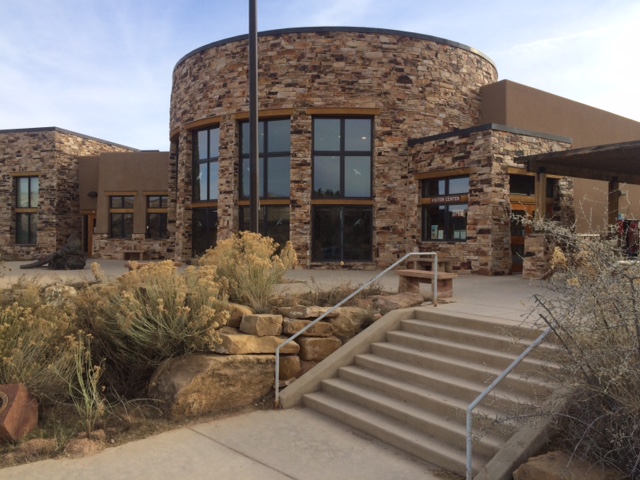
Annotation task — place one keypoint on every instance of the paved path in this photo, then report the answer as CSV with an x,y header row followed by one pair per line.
x,y
288,444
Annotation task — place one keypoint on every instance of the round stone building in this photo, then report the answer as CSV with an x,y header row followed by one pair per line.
x,y
370,146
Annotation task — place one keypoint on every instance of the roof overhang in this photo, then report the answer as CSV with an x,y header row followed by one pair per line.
x,y
618,161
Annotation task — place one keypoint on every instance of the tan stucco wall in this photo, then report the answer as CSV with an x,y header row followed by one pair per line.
x,y
138,174
519,106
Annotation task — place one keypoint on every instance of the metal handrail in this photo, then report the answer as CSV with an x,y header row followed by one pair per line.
x,y
346,299
487,391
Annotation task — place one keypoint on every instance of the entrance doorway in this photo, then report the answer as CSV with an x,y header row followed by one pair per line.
x,y
88,227
518,233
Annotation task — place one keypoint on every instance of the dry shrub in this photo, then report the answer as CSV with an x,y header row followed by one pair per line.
x,y
34,349
250,268
328,296
148,315
594,308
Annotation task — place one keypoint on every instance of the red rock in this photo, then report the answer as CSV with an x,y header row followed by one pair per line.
x,y
18,412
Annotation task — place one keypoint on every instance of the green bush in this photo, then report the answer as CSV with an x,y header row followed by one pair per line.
x,y
249,268
148,315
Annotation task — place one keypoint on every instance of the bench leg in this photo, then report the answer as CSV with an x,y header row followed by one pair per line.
x,y
445,288
411,285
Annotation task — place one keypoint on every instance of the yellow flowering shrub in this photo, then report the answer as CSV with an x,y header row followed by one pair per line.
x,y
34,349
249,269
148,315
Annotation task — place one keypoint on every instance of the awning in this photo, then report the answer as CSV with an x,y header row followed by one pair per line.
x,y
616,162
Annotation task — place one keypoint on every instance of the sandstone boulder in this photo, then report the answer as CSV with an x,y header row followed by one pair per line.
x,y
58,294
315,349
290,367
293,326
386,303
236,312
235,343
306,313
203,384
349,321
261,325
560,466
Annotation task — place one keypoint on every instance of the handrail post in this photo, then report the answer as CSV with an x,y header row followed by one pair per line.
x,y
346,299
487,391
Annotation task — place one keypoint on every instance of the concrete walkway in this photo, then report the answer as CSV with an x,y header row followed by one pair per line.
x,y
287,444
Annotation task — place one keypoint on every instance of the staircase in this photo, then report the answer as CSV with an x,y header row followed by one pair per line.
x,y
411,389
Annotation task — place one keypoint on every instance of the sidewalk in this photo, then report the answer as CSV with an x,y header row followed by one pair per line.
x,y
271,444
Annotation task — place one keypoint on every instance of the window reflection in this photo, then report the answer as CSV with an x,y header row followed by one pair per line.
x,y
274,161
342,234
205,169
347,172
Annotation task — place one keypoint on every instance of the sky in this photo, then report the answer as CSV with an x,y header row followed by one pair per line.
x,y
104,67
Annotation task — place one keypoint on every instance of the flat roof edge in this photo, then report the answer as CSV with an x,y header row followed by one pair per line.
x,y
384,31
485,127
62,130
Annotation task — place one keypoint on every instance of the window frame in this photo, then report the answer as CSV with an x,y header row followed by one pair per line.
x,y
28,211
209,160
263,220
162,210
343,154
342,244
264,156
447,201
210,232
121,213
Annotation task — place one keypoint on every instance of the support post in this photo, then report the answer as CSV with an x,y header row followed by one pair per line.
x,y
253,116
541,193
612,203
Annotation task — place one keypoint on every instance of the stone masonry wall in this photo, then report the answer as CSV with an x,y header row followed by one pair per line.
x,y
51,154
487,153
412,85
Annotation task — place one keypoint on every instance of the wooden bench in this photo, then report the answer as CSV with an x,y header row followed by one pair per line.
x,y
410,280
134,254
445,264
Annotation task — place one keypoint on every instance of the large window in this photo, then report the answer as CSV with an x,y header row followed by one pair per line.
x,y
342,234
342,190
525,185
157,217
273,221
274,159
121,216
205,229
27,199
206,153
444,209
342,154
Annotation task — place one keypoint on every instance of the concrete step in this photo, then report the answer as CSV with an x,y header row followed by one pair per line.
x,y
470,353
526,386
392,432
429,419
412,386
467,335
524,331
445,383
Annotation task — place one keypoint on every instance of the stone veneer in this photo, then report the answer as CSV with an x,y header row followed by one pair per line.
x,y
50,153
487,152
411,85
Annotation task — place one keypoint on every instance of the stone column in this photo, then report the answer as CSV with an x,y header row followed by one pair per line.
x,y
301,185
